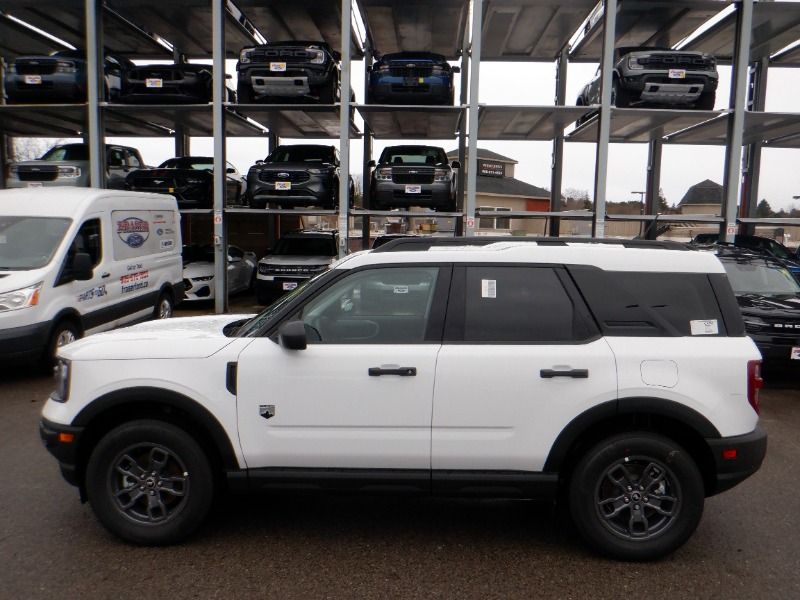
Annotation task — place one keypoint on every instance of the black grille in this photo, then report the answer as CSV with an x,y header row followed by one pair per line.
x,y
419,71
39,174
280,54
164,74
293,176
676,61
421,177
401,195
25,68
410,88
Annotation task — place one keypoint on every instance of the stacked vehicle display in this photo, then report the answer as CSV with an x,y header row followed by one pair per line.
x,y
411,78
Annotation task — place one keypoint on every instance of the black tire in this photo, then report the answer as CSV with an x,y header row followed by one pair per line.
x,y
603,496
706,101
142,463
244,94
165,307
327,92
65,332
619,95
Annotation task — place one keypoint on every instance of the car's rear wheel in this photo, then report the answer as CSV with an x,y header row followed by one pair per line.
x,y
636,496
149,482
65,332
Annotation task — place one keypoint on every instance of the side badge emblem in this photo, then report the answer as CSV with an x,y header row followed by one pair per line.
x,y
267,410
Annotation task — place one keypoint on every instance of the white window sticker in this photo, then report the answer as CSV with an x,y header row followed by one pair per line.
x,y
488,288
401,289
708,327
795,353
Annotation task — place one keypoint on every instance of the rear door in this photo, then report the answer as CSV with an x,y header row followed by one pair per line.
x,y
521,358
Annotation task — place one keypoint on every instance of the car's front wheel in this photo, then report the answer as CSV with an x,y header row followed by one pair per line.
x,y
149,482
636,496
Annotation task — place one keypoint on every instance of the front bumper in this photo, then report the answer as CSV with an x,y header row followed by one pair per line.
x,y
399,90
54,87
294,82
750,450
387,194
776,348
316,191
66,452
26,344
658,87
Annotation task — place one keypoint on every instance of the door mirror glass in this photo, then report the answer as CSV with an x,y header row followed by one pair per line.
x,y
292,335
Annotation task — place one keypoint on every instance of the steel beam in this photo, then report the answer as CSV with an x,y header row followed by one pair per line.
x,y
752,156
738,102
95,78
472,155
603,134
218,118
462,137
344,128
557,166
5,140
653,186
365,168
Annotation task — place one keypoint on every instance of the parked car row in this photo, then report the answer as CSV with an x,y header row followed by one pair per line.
x,y
305,71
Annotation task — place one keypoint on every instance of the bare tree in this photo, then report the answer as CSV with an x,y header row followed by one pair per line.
x,y
27,148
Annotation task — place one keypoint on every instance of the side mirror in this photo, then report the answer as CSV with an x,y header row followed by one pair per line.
x,y
371,163
292,335
82,266
230,170
455,164
259,162
455,69
228,76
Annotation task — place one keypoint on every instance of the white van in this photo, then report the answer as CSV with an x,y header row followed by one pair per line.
x,y
75,261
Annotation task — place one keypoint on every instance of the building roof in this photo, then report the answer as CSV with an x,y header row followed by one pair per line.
x,y
508,186
484,154
705,192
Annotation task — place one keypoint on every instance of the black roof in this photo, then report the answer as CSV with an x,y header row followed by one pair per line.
x,y
484,154
705,192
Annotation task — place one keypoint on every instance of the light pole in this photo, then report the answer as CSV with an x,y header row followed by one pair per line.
x,y
641,200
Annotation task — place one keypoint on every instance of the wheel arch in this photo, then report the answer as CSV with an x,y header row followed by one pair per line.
x,y
680,423
67,314
120,406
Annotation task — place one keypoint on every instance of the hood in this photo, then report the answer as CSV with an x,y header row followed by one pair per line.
x,y
198,269
767,306
16,280
186,337
279,259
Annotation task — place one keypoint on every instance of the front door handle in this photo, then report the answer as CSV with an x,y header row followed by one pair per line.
x,y
105,275
575,373
401,371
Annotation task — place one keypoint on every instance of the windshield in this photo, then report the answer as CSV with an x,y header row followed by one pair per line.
x,y
29,242
302,154
198,164
760,278
69,152
292,246
414,155
254,325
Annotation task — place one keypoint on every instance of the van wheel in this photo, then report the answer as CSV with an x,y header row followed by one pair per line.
x,y
636,496
149,482
164,307
65,332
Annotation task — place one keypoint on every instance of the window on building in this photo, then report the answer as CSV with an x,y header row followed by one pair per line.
x,y
494,222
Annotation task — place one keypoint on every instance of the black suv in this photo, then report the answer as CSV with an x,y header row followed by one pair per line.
x,y
769,298
408,176
289,70
299,175
759,245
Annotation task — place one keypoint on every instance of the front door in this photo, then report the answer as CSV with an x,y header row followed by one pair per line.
x,y
360,395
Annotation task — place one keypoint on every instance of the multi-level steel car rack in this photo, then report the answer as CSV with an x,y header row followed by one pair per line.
x,y
749,36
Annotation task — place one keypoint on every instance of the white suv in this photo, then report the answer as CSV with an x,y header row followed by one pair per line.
x,y
618,379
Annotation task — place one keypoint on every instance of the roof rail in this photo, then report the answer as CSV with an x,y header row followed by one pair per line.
x,y
423,243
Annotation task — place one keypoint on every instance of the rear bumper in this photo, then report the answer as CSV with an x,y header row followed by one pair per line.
x,y
750,450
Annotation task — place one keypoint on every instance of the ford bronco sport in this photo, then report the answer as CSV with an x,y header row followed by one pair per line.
x,y
618,379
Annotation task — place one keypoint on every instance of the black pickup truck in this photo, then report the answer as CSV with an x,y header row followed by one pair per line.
x,y
289,70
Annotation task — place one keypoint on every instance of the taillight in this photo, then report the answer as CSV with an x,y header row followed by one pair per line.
x,y
754,384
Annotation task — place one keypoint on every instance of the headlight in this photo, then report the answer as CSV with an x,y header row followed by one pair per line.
x,y
318,56
633,62
65,67
69,172
11,68
384,174
23,298
439,70
13,169
245,54
194,180
385,69
441,175
314,171
754,324
61,372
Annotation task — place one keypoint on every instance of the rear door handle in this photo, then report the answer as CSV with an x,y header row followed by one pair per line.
x,y
575,373
401,371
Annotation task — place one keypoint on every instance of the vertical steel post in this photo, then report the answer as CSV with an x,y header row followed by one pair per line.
x,y
733,150
344,128
94,91
218,118
365,168
4,142
557,166
752,157
472,155
181,139
606,79
654,154
462,136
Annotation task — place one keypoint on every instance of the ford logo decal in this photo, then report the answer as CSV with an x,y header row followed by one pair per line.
x,y
283,175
